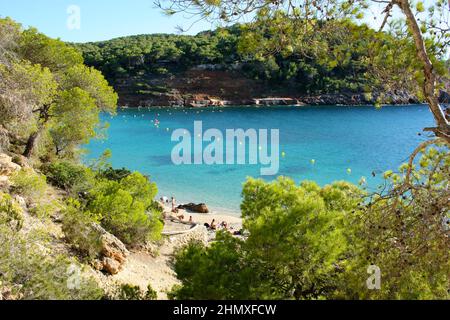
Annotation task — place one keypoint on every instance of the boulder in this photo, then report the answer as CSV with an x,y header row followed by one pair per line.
x,y
111,266
7,166
197,208
113,253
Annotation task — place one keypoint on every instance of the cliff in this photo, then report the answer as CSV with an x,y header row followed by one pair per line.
x,y
201,87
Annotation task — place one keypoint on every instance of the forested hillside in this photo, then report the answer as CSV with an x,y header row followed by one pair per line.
x,y
347,64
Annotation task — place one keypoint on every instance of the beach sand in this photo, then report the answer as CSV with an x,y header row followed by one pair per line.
x,y
234,220
142,268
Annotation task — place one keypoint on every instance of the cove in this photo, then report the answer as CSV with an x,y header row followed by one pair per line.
x,y
324,144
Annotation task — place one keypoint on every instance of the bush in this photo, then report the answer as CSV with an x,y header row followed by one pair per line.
x,y
312,242
122,208
131,292
114,174
68,176
29,184
296,246
196,265
10,212
44,210
30,274
405,232
77,227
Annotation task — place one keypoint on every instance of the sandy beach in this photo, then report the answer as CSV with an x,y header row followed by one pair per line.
x,y
235,221
142,268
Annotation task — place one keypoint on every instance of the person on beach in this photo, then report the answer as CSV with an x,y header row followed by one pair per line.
x,y
174,202
191,220
213,225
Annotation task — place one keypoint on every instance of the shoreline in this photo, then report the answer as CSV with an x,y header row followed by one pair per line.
x,y
237,105
213,209
202,218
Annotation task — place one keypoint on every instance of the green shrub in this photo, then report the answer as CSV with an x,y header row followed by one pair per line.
x,y
114,174
32,274
28,183
131,292
151,293
44,210
10,212
68,176
122,208
196,264
77,227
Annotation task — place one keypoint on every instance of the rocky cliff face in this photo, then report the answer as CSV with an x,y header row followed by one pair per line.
x,y
201,87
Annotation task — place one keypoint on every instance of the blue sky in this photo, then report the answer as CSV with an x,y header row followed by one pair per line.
x,y
100,19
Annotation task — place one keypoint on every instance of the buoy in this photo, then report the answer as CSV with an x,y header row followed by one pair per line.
x,y
349,171
313,162
283,154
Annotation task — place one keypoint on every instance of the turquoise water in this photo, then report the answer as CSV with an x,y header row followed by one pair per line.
x,y
362,139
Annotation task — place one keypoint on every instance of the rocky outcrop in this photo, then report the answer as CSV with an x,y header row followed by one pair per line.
x,y
205,86
7,168
394,97
197,208
113,253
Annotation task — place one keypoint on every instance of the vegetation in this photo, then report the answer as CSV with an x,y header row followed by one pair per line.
x,y
405,231
29,184
124,208
416,43
130,292
68,176
307,242
346,59
46,92
11,214
114,174
77,227
402,230
28,272
302,241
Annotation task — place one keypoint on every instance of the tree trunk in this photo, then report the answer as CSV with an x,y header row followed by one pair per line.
x,y
31,144
429,87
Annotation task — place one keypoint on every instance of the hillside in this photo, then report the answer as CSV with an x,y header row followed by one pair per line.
x,y
220,67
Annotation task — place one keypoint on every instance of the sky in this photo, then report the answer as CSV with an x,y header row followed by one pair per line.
x,y
99,19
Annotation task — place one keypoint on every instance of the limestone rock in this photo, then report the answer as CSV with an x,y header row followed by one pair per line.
x,y
113,254
198,208
111,266
7,167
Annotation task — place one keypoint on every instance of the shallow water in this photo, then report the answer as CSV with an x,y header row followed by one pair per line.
x,y
362,139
